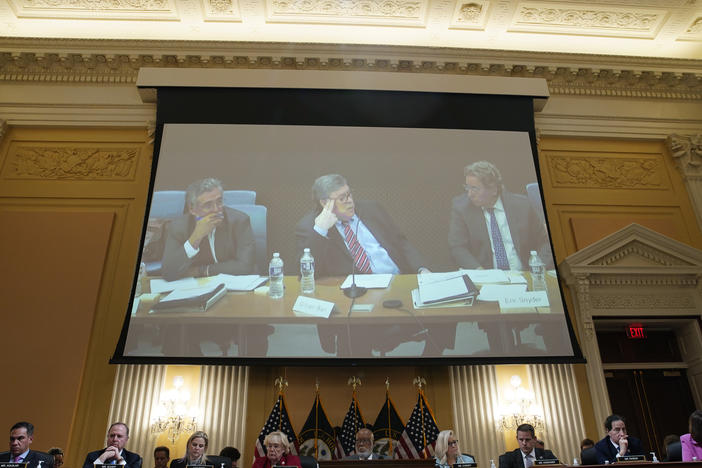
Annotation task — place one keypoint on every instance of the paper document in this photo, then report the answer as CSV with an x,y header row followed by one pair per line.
x,y
190,293
379,281
526,299
453,288
311,307
493,292
418,304
161,285
238,282
487,276
426,278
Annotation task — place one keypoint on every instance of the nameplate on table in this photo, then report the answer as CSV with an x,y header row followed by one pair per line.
x,y
199,466
13,465
547,461
311,307
524,300
285,466
106,465
631,458
465,465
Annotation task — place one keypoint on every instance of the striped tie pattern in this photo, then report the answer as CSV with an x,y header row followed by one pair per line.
x,y
498,245
358,253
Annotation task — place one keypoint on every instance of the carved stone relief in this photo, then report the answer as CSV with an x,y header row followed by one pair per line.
x,y
470,15
410,12
26,162
614,172
110,9
655,257
641,301
587,19
687,151
221,10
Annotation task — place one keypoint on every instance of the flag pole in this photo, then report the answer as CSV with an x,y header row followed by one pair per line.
x,y
420,382
281,383
387,403
316,419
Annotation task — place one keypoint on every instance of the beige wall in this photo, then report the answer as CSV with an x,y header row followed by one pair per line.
x,y
71,207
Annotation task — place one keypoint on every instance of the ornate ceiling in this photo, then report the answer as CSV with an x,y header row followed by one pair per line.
x,y
643,28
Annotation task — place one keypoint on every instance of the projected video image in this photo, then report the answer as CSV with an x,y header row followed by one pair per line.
x,y
424,243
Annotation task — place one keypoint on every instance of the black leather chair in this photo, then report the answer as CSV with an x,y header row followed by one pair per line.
x,y
589,456
308,462
673,452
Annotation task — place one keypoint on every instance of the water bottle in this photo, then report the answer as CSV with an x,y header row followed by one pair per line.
x,y
492,464
653,457
575,462
307,272
138,288
538,270
275,277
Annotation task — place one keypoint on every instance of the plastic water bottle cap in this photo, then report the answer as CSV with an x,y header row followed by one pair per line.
x,y
307,250
276,254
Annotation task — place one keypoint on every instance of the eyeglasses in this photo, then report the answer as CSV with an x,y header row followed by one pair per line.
x,y
363,441
344,197
210,205
471,188
451,443
274,446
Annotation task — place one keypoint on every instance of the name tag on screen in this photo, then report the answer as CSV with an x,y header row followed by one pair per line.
x,y
550,461
525,299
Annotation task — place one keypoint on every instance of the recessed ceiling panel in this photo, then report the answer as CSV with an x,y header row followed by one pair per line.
x,y
359,12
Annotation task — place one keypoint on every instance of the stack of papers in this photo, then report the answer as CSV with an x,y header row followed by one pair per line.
x,y
445,289
193,299
238,282
378,281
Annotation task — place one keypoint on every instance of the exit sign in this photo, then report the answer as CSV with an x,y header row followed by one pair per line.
x,y
635,331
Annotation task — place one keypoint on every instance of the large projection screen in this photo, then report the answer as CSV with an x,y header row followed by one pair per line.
x,y
402,156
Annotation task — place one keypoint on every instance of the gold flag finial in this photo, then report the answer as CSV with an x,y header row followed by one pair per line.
x,y
316,384
387,383
354,382
280,383
419,382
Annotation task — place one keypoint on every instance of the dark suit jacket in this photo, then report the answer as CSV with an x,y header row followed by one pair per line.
x,y
133,459
213,460
235,246
469,239
376,456
330,254
32,459
514,458
606,451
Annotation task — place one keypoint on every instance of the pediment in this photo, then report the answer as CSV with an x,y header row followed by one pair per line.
x,y
632,248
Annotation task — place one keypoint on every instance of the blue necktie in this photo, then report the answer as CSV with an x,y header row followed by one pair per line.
x,y
497,244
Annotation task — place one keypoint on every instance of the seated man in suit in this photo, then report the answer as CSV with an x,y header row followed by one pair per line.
x,y
617,442
493,228
527,453
340,229
364,447
209,239
21,437
114,453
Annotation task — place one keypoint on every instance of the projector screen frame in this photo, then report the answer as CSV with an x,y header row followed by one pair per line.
x,y
262,102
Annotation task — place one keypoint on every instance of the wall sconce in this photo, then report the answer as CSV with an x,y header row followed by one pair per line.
x,y
518,407
172,415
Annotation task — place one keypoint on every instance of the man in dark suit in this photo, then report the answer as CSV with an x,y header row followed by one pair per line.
x,y
364,447
493,228
617,442
527,453
21,437
114,453
340,229
209,239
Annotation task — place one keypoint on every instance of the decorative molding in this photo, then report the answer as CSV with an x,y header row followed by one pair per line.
x,y
3,129
655,256
110,9
470,15
639,280
687,152
71,163
642,301
221,10
587,19
376,12
610,172
566,74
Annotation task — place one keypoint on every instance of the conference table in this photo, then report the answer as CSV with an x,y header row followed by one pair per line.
x,y
368,329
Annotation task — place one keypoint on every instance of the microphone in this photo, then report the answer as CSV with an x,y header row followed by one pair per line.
x,y
354,291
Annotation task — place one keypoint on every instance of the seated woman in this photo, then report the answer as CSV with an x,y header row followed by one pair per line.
x,y
277,452
194,452
692,442
447,453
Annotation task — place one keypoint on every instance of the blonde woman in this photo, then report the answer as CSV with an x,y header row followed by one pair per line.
x,y
194,451
447,453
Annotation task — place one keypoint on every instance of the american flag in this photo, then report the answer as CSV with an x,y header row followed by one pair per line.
x,y
278,420
419,437
346,437
388,428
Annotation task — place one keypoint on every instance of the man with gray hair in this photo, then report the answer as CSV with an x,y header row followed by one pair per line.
x,y
340,230
493,228
210,238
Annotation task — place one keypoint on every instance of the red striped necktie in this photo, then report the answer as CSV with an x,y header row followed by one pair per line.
x,y
358,253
